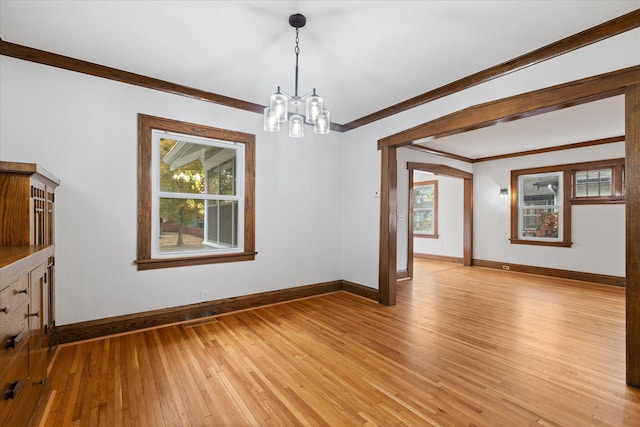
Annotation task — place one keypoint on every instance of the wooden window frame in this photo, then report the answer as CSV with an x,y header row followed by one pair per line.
x,y
568,172
433,235
617,182
565,238
146,124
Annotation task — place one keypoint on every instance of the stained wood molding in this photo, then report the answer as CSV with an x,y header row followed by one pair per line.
x,y
443,258
632,172
131,322
595,34
85,67
552,149
583,144
553,272
520,106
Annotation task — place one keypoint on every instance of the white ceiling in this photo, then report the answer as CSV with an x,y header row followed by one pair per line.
x,y
361,56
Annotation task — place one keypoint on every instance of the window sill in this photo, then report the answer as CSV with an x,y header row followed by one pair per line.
x,y
427,236
151,264
594,201
541,243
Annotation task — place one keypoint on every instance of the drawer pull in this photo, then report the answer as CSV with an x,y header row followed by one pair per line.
x,y
12,391
24,291
5,309
36,314
13,340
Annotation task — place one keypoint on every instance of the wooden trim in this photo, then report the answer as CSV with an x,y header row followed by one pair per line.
x,y
568,176
145,126
402,274
520,106
410,227
600,32
72,64
595,34
558,244
155,318
363,291
440,153
132,322
467,177
467,250
438,169
632,171
443,258
30,169
553,272
388,226
552,149
30,54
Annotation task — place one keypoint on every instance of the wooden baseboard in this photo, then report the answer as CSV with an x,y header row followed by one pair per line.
x,y
363,291
444,258
402,274
553,272
149,319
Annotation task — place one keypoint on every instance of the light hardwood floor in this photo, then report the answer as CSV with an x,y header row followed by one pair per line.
x,y
463,346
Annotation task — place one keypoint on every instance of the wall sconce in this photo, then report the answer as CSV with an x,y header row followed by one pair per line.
x,y
504,193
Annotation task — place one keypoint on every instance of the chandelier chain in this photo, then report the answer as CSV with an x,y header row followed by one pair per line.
x,y
297,51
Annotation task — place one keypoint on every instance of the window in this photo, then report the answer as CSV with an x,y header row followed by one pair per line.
x,y
541,206
598,182
425,209
195,194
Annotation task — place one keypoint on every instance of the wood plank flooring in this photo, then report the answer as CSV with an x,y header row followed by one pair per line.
x,y
463,346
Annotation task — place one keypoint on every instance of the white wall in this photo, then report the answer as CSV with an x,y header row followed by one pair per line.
x,y
84,130
361,219
597,231
317,213
450,241
451,211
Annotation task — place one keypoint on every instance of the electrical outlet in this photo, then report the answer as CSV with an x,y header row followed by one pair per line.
x,y
204,295
505,267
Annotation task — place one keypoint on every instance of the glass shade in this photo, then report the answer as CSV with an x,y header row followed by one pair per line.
x,y
271,122
279,104
323,123
314,107
296,126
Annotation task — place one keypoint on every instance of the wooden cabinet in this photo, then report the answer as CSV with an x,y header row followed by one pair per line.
x,y
27,315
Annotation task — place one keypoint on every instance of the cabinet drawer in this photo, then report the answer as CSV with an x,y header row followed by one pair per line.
x,y
12,297
14,383
13,334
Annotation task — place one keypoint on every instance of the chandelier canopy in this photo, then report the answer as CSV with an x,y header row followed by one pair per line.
x,y
281,103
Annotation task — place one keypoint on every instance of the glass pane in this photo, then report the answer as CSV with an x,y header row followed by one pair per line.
x,y
581,177
181,170
540,222
605,189
540,190
423,196
222,223
423,221
605,175
593,190
581,190
221,176
181,225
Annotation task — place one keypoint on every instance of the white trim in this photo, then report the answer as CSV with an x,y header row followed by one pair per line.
x,y
231,148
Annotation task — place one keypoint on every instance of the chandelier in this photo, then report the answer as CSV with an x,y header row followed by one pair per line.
x,y
280,102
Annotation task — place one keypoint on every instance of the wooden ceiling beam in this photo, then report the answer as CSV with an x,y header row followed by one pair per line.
x,y
592,35
520,106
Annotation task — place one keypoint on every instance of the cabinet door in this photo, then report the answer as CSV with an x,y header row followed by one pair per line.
x,y
37,287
